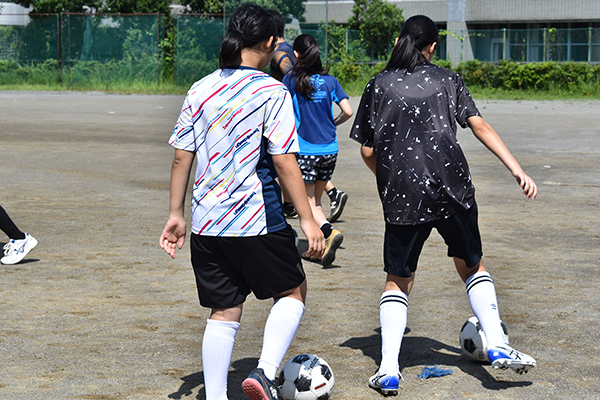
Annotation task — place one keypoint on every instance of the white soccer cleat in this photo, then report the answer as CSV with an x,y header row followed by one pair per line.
x,y
505,357
386,384
16,250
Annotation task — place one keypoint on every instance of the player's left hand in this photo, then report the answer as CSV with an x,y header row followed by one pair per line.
x,y
527,184
173,235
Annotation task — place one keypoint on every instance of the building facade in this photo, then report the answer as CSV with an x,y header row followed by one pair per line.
x,y
492,30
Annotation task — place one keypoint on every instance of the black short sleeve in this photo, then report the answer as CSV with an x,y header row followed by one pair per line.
x,y
362,130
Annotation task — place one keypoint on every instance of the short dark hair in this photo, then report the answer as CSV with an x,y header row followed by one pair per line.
x,y
278,21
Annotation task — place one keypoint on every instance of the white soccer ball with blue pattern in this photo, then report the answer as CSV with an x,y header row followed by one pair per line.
x,y
473,341
306,377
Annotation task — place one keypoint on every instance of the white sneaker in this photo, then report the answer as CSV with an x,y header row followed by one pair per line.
x,y
505,357
16,250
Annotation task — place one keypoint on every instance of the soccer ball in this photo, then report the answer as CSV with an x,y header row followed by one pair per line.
x,y
306,377
473,341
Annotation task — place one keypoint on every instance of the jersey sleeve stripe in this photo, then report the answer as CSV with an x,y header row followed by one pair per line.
x,y
265,87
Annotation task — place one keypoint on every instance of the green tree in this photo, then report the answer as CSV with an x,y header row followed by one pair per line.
x,y
379,23
288,8
136,6
113,6
58,6
204,6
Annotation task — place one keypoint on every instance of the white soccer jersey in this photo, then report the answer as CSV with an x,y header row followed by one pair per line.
x,y
234,120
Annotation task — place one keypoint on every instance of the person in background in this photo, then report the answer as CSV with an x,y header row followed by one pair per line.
x,y
314,92
283,61
20,243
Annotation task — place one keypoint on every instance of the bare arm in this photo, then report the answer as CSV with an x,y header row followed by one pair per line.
x,y
345,114
290,178
285,64
368,156
488,136
173,234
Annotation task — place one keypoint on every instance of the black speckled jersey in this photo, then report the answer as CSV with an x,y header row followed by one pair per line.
x,y
410,119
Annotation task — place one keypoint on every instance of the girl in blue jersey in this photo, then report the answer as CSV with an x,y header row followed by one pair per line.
x,y
314,91
406,123
237,123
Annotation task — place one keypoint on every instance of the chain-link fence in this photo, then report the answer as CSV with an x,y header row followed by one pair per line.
x,y
29,53
112,48
98,50
76,49
197,45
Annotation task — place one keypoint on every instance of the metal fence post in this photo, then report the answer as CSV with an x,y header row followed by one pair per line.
x,y
545,43
326,30
589,44
504,43
347,39
59,50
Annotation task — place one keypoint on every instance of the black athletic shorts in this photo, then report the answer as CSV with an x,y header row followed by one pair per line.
x,y
403,243
227,269
316,168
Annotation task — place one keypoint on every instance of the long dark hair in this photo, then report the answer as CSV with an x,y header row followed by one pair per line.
x,y
416,34
248,26
307,65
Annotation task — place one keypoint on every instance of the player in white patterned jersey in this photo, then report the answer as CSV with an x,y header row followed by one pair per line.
x,y
239,123
234,120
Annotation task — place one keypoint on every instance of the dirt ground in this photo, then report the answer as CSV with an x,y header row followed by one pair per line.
x,y
99,311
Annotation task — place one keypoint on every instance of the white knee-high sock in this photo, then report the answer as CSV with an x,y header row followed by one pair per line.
x,y
393,309
482,296
280,330
217,347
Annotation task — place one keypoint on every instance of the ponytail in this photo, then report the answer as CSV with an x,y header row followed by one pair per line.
x,y
416,34
307,65
231,49
249,25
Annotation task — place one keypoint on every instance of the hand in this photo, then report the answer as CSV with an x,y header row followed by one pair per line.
x,y
173,235
316,240
527,184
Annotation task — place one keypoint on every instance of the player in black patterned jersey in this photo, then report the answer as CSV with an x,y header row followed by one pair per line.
x,y
406,123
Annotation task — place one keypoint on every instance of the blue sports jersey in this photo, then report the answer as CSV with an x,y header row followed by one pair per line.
x,y
314,118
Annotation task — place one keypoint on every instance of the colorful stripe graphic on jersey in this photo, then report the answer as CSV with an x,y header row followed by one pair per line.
x,y
234,120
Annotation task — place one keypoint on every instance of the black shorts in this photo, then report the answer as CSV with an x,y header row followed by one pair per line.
x,y
227,269
403,243
316,168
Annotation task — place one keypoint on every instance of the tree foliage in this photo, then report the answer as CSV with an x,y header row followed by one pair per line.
x,y
136,6
58,6
108,6
288,8
379,23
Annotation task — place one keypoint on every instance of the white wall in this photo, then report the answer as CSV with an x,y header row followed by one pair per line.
x,y
13,14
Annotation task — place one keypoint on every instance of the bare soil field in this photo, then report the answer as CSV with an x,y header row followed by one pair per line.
x,y
99,312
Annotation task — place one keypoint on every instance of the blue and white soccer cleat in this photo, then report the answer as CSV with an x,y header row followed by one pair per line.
x,y
505,357
385,384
